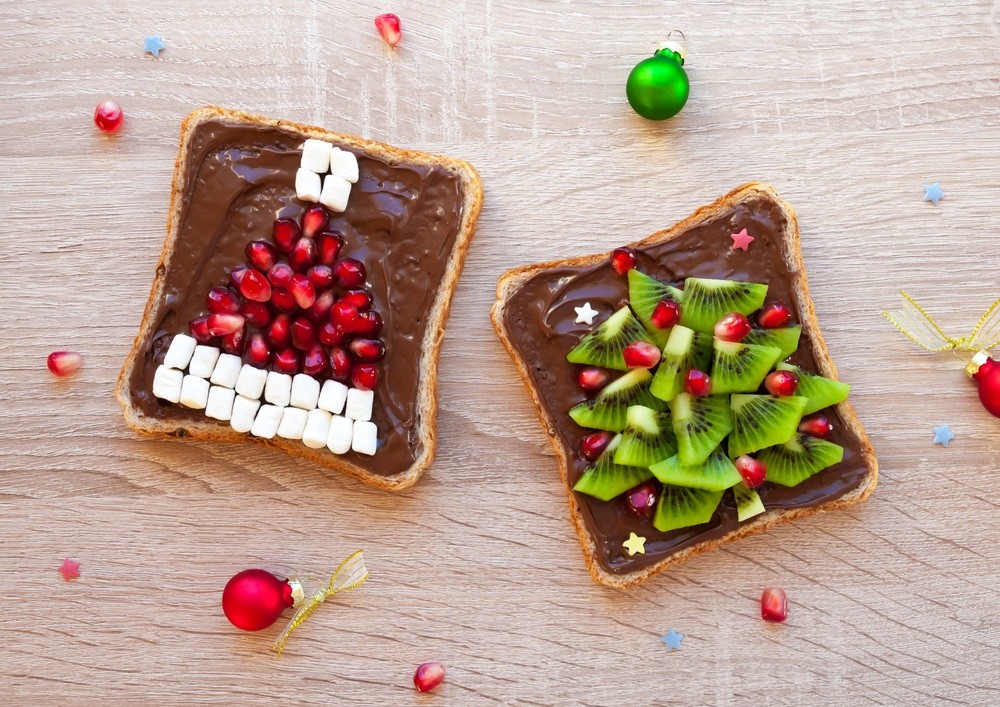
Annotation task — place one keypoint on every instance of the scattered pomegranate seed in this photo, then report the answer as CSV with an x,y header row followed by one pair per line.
x,y
303,334
368,323
642,499
285,233
362,299
303,255
623,260
302,290
280,275
340,364
223,324
258,352
666,313
698,383
262,255
592,379
283,300
389,27
321,276
732,327
256,313
328,245
199,329
237,273
774,604
287,361
781,383
817,426
329,334
314,362
641,354
368,350
320,309
593,445
254,286
350,273
428,675
64,363
774,315
222,300
233,343
752,470
365,376
344,315
314,220
108,116
279,333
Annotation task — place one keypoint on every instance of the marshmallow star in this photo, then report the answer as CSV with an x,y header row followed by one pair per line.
x,y
943,435
634,544
741,240
585,314
933,193
672,640
153,45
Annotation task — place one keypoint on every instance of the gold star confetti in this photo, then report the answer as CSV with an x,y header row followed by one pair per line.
x,y
634,544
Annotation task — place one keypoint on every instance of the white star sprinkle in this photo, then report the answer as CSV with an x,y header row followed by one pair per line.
x,y
585,314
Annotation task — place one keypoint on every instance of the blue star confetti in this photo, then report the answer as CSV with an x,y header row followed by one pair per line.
x,y
154,45
943,435
672,639
933,193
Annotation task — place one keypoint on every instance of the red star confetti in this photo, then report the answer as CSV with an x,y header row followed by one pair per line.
x,y
69,569
741,240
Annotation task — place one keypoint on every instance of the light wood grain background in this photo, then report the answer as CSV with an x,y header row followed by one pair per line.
x,y
846,107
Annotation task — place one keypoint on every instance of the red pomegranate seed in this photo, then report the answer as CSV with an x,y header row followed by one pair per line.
x,y
108,116
774,315
623,260
641,354
279,333
280,275
287,361
303,334
732,327
222,300
344,315
368,323
350,273
223,324
365,376
314,362
285,233
592,379
817,426
256,313
302,290
752,470
261,254
328,245
594,444
233,343
258,351
237,273
283,300
641,500
774,604
321,276
314,220
698,383
340,364
64,363
199,329
368,350
320,309
303,255
666,313
254,286
781,383
329,334
428,675
389,27
362,299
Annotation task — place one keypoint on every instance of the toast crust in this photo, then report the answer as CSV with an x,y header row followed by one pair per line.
x,y
426,403
511,281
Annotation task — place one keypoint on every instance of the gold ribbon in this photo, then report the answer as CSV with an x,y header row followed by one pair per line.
x,y
920,328
351,574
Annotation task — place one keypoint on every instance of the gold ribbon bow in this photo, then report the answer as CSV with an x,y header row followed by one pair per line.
x,y
920,328
351,574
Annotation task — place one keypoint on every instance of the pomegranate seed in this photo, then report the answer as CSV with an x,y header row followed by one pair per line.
x,y
367,349
258,352
254,286
329,335
340,364
774,604
698,383
223,324
389,27
592,379
303,255
350,273
233,343
64,363
732,327
594,444
257,313
666,314
314,220
280,275
368,323
237,273
774,315
642,499
344,315
285,233
752,470
222,300
817,426
623,260
108,116
362,299
199,329
328,245
365,376
303,334
320,309
428,675
279,333
641,354
314,362
283,300
302,290
321,276
262,255
287,361
781,383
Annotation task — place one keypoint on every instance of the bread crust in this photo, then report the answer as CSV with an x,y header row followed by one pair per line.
x,y
512,280
426,403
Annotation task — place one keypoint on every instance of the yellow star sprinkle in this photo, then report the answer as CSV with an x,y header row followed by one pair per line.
x,y
634,544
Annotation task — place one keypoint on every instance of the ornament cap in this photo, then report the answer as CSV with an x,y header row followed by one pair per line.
x,y
671,47
977,362
298,593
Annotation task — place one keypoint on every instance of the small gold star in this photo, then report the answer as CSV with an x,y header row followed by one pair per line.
x,y
634,544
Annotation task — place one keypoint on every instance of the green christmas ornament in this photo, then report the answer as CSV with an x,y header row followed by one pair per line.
x,y
658,87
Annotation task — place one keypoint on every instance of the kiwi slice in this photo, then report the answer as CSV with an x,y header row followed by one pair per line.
x,y
786,339
793,462
604,345
716,474
819,392
680,507
685,349
607,411
740,368
644,293
762,421
647,439
707,301
604,479
700,425
748,503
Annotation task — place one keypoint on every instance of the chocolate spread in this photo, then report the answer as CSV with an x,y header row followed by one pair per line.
x,y
401,222
540,320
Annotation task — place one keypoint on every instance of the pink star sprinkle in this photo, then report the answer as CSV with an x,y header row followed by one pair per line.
x,y
69,569
741,240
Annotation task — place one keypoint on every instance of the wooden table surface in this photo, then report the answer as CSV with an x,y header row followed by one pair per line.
x,y
847,108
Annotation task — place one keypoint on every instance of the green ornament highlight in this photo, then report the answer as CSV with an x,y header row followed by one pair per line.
x,y
658,87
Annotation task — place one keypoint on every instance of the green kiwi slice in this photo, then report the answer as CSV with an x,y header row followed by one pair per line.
x,y
762,421
685,349
793,462
707,301
604,479
648,437
700,424
604,345
740,368
644,293
717,473
680,507
786,339
607,411
748,503
819,392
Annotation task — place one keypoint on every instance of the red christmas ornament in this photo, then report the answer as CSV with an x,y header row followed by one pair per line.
x,y
985,371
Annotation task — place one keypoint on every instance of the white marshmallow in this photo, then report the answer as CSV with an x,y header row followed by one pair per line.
x,y
244,412
365,437
220,403
341,434
278,388
305,392
266,423
250,382
194,392
203,361
332,397
167,384
227,370
293,423
180,351
316,156
359,404
344,164
317,429
336,192
307,185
